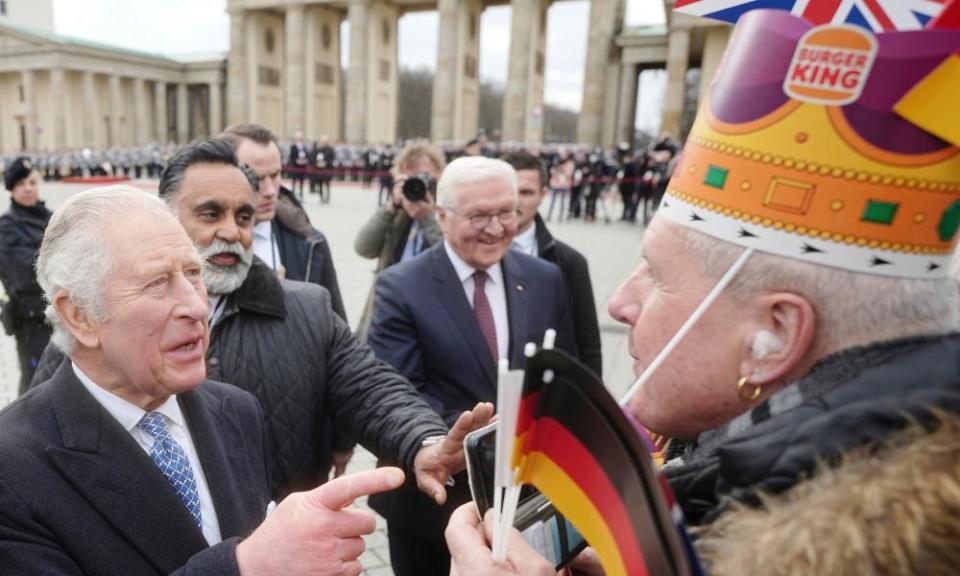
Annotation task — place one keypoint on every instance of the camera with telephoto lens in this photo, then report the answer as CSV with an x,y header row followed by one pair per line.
x,y
415,188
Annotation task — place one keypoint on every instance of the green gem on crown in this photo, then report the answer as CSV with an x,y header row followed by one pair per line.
x,y
716,177
879,212
949,222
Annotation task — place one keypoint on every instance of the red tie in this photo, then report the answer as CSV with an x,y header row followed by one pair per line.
x,y
484,314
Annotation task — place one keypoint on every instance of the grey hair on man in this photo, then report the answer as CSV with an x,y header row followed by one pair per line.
x,y
852,308
75,259
470,170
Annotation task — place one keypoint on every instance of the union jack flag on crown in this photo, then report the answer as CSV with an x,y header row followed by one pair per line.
x,y
875,15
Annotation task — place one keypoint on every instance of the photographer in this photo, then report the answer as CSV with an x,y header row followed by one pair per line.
x,y
405,225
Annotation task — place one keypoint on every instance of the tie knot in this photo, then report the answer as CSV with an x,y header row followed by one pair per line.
x,y
153,424
479,278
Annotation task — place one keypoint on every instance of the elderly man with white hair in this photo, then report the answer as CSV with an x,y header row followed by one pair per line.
x,y
447,317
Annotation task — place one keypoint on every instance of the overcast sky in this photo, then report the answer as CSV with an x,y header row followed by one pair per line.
x,y
202,26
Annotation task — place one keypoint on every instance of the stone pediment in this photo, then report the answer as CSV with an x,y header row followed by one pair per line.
x,y
19,40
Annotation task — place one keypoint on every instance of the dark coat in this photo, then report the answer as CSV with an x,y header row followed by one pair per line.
x,y
913,377
78,495
424,326
281,341
576,276
304,250
21,232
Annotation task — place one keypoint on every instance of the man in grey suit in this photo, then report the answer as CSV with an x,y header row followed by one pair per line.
x,y
128,461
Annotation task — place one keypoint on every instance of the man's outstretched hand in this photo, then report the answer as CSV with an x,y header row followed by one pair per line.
x,y
433,465
316,532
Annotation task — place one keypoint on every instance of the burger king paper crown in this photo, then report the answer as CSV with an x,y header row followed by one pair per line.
x,y
797,149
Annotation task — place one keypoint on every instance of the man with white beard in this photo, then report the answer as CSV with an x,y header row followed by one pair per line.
x,y
281,341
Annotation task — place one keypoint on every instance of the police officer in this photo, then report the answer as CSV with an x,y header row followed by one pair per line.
x,y
21,231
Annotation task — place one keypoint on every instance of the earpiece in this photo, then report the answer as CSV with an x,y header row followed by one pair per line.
x,y
765,343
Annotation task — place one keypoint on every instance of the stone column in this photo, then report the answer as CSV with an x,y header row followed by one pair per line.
x,y
58,137
29,108
293,74
627,106
141,123
456,87
600,44
611,95
238,79
114,97
160,111
91,117
216,108
714,46
358,13
448,31
324,102
678,58
523,96
183,118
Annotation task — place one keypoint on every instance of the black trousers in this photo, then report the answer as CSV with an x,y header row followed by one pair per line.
x,y
32,337
411,555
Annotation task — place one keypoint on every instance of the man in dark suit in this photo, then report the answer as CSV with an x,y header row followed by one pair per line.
x,y
534,238
445,318
299,163
128,461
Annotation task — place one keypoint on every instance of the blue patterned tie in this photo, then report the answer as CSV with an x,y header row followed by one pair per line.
x,y
172,461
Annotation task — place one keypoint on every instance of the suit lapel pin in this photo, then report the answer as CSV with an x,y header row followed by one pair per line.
x,y
519,287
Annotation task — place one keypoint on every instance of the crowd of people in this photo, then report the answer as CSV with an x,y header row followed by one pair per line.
x,y
580,178
202,391
134,162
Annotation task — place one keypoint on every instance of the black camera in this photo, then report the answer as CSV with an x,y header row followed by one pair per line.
x,y
415,188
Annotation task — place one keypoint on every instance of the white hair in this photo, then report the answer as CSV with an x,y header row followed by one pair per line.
x,y
470,170
74,257
852,308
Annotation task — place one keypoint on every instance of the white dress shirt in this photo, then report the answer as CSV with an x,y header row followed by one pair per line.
x,y
215,305
264,244
526,242
129,415
496,295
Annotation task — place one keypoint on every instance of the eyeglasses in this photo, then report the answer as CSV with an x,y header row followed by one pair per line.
x,y
481,221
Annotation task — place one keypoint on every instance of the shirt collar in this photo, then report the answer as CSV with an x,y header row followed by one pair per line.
x,y
465,271
263,229
124,412
527,241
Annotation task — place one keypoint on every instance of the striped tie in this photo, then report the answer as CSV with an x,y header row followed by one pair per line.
x,y
484,314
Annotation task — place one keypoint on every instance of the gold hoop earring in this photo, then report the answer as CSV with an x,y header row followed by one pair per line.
x,y
744,394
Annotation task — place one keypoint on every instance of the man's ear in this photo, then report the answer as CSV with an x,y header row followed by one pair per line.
x,y
782,340
442,218
80,325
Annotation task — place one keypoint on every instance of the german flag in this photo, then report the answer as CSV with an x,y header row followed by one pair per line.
x,y
575,444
